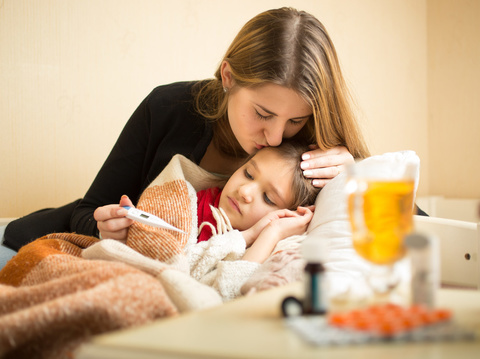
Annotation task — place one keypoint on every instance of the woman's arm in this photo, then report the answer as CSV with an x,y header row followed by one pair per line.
x,y
122,173
163,125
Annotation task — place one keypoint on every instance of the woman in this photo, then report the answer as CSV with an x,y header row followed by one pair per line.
x,y
280,78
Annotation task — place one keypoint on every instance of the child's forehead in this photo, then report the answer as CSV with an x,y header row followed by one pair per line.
x,y
277,168
268,154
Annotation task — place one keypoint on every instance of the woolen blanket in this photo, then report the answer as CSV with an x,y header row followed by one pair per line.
x,y
52,298
62,289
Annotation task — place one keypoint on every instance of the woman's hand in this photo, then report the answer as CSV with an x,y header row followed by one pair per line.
x,y
281,224
323,166
111,220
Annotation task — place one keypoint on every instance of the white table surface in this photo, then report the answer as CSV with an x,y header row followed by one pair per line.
x,y
252,327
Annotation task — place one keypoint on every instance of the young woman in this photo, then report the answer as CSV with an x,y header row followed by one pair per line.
x,y
280,78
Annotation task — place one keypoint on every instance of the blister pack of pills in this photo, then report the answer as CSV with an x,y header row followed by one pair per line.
x,y
379,324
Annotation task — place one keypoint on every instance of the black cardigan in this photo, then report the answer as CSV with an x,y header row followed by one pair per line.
x,y
164,124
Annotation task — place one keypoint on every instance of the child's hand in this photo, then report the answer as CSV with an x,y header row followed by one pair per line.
x,y
252,233
277,225
287,223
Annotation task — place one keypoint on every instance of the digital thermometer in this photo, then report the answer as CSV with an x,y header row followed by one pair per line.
x,y
149,219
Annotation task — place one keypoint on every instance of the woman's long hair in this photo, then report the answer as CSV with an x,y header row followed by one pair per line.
x,y
289,48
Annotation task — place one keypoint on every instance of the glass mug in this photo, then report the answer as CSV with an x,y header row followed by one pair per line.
x,y
380,208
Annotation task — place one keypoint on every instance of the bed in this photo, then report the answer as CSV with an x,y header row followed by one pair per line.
x,y
177,293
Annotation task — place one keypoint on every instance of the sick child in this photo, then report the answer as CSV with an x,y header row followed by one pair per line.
x,y
265,201
239,226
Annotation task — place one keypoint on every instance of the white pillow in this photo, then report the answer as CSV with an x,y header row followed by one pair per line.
x,y
330,226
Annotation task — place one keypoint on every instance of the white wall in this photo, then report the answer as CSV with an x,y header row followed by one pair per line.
x,y
72,72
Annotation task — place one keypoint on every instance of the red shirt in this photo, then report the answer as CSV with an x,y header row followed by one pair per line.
x,y
205,198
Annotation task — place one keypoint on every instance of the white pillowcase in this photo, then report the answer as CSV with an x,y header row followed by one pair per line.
x,y
331,229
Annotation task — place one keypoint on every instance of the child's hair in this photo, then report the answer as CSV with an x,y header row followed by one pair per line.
x,y
304,193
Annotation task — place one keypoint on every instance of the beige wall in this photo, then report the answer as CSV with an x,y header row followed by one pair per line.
x,y
454,97
73,71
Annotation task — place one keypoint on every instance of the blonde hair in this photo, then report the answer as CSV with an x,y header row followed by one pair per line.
x,y
289,48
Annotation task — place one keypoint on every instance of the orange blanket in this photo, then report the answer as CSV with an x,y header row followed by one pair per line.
x,y
60,300
53,296
63,288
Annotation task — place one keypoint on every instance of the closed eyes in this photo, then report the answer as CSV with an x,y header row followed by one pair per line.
x,y
294,122
266,199
262,117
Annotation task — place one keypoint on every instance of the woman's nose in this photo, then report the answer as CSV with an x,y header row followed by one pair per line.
x,y
274,133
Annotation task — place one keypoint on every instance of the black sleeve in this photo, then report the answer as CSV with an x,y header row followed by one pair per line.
x,y
163,125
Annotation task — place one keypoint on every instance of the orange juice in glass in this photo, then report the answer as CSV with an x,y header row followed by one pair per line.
x,y
380,208
386,218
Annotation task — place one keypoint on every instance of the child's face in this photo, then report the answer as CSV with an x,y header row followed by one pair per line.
x,y
262,185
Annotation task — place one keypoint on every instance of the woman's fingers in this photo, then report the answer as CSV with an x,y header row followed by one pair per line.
x,y
322,166
109,212
111,220
125,201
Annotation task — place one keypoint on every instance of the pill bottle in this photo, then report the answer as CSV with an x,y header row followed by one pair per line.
x,y
424,254
315,299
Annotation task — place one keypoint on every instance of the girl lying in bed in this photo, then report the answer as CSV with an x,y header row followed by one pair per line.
x,y
265,201
256,211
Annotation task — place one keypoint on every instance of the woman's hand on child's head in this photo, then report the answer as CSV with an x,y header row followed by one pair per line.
x,y
323,166
111,220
